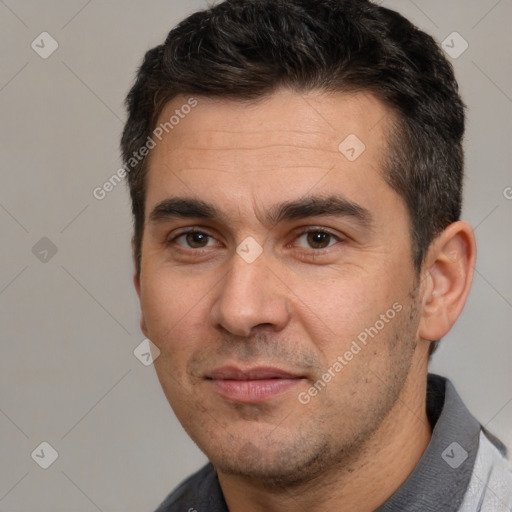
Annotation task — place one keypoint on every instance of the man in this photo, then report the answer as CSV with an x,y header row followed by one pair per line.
x,y
295,169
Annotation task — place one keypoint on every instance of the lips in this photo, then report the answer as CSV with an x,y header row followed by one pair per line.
x,y
252,385
232,373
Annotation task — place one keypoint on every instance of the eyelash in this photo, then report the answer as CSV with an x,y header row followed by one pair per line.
x,y
306,231
191,231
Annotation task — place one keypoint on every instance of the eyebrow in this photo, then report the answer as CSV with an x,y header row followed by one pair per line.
x,y
338,206
317,206
183,208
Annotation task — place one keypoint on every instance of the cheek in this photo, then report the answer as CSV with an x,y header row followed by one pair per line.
x,y
352,312
168,303
172,311
343,305
157,306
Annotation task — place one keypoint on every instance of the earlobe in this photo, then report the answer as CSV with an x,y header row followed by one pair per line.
x,y
448,272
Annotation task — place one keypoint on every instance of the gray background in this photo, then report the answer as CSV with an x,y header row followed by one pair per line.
x,y
68,375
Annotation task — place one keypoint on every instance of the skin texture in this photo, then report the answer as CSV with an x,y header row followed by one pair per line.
x,y
300,304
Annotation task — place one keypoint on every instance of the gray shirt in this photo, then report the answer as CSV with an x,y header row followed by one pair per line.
x,y
438,483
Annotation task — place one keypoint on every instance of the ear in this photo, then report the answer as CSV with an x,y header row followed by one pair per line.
x,y
136,283
446,279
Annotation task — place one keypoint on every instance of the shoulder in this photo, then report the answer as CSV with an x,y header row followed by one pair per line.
x,y
490,488
197,491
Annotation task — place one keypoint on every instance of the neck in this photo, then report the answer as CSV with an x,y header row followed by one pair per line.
x,y
381,466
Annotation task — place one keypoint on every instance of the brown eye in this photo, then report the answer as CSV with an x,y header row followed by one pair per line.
x,y
318,239
197,240
194,240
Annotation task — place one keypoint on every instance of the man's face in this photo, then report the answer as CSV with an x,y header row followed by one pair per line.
x,y
269,255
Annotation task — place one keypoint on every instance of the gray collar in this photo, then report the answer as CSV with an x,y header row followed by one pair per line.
x,y
442,475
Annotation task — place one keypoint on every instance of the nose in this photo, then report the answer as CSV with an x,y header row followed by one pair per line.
x,y
251,295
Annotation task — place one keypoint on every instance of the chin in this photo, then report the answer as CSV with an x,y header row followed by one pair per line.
x,y
284,463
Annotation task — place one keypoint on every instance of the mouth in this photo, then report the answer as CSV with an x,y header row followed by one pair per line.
x,y
252,385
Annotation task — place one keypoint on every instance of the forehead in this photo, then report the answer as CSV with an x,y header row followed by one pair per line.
x,y
323,118
284,144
